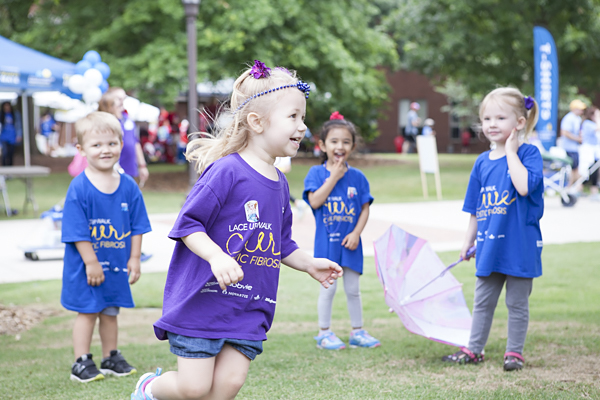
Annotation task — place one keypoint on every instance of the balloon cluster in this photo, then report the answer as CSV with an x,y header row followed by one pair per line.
x,y
90,77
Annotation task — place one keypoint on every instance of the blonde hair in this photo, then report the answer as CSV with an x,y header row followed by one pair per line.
x,y
98,121
513,98
234,136
108,99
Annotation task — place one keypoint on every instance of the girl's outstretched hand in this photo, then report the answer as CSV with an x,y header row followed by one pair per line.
x,y
226,270
512,143
325,271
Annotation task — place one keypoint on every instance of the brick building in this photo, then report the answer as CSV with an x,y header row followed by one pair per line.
x,y
410,86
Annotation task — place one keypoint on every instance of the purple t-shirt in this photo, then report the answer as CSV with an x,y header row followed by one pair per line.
x,y
128,160
249,217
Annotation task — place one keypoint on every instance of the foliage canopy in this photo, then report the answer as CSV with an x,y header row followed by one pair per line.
x,y
332,44
486,43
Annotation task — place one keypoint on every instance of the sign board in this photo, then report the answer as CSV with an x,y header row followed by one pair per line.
x,y
428,163
545,62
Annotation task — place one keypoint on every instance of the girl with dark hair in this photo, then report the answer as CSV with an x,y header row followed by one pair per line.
x,y
340,198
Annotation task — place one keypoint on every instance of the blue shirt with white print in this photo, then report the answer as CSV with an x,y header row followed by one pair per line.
x,y
107,221
338,216
509,240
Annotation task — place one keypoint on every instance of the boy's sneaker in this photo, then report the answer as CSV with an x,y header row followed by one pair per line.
x,y
464,356
116,365
140,388
84,370
513,361
362,339
329,341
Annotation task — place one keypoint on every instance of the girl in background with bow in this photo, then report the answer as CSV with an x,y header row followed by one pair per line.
x,y
505,200
339,196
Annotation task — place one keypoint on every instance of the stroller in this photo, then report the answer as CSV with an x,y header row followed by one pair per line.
x,y
558,169
46,243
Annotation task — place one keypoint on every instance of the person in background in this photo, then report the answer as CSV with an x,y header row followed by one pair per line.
x,y
48,129
11,132
589,151
104,218
340,199
132,160
428,127
570,138
132,157
413,122
465,140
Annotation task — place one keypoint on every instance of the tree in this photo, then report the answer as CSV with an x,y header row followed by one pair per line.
x,y
334,45
485,43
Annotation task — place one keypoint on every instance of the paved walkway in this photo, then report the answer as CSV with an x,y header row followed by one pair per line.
x,y
441,223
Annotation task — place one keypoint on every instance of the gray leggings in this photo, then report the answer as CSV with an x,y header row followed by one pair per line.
x,y
487,291
352,289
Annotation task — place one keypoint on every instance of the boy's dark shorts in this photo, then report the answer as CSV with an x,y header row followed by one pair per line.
x,y
575,157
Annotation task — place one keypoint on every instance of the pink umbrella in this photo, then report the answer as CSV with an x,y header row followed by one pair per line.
x,y
420,288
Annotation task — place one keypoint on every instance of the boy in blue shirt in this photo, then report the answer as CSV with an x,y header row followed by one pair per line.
x,y
103,221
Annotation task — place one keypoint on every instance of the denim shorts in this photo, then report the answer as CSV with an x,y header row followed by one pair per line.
x,y
191,347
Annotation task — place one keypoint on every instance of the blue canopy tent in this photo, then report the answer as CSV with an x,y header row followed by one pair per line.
x,y
24,70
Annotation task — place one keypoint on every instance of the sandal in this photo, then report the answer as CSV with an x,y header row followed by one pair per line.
x,y
464,356
513,361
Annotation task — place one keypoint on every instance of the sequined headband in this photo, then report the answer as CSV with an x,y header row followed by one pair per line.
x,y
259,70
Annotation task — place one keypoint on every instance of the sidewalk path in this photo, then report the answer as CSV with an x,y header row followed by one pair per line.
x,y
441,223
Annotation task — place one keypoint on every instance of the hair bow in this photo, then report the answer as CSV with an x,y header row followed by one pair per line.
x,y
336,115
528,102
259,70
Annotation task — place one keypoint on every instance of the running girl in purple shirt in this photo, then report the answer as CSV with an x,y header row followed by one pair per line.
x,y
233,234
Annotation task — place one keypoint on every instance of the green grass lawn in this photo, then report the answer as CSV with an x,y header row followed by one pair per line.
x,y
389,184
562,349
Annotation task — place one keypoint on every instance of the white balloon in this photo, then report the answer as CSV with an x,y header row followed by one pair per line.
x,y
92,95
93,76
77,84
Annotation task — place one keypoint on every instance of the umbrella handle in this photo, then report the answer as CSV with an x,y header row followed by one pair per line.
x,y
470,254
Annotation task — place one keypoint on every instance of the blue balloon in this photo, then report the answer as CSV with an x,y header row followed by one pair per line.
x,y
92,57
82,66
103,68
103,86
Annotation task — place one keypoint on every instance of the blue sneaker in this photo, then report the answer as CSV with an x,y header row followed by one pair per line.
x,y
329,341
145,257
363,339
144,380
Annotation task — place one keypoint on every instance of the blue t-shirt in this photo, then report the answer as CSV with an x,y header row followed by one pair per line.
x,y
570,123
588,133
46,126
108,221
509,240
9,131
338,216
